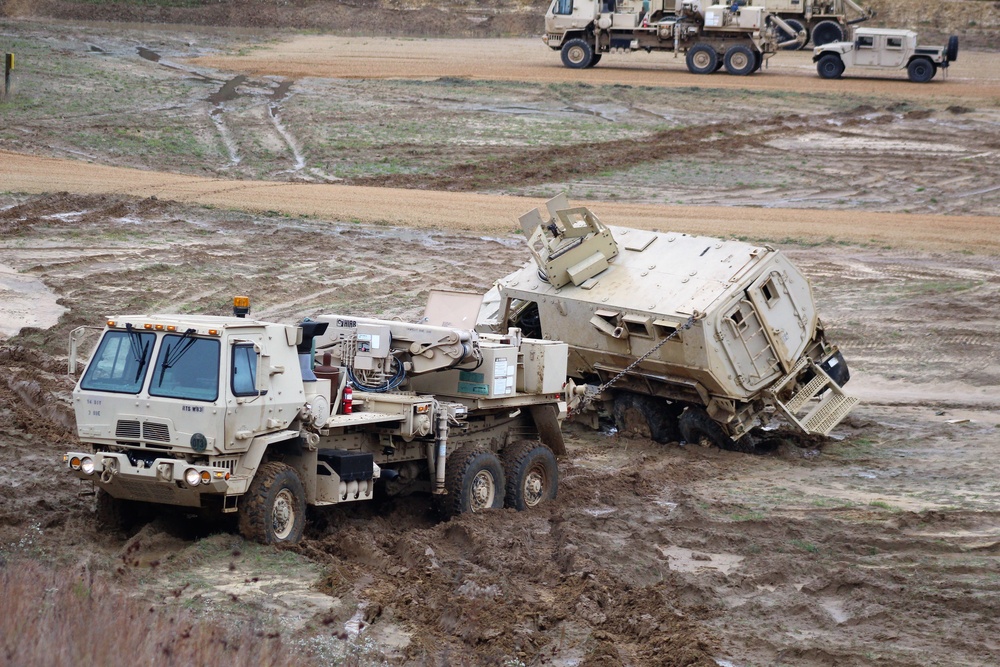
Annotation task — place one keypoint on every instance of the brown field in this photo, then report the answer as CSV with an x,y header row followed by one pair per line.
x,y
129,184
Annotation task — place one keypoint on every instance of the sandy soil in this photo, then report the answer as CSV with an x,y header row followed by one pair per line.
x,y
878,546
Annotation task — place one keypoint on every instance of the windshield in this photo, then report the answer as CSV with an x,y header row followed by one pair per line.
x,y
120,363
186,367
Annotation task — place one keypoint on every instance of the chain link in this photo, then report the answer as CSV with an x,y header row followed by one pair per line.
x,y
592,394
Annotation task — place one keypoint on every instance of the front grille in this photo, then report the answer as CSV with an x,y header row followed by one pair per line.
x,y
226,464
154,431
128,430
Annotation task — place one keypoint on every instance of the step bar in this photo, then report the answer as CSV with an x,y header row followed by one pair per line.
x,y
812,416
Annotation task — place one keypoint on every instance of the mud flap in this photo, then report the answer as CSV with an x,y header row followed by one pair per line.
x,y
814,417
546,418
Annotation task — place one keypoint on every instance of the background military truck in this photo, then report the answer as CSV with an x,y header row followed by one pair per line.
x,y
885,48
735,36
824,21
226,415
693,338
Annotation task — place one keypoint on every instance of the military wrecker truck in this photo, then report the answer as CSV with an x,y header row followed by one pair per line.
x,y
736,36
886,49
824,21
679,337
228,415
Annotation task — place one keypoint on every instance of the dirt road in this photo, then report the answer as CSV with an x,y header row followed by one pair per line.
x,y
973,76
494,214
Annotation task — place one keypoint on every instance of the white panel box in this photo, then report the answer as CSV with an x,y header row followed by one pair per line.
x,y
544,366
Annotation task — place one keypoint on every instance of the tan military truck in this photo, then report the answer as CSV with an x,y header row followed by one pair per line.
x,y
681,337
228,415
824,21
885,48
736,36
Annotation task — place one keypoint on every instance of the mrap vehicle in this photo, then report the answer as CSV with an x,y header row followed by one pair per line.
x,y
688,337
231,415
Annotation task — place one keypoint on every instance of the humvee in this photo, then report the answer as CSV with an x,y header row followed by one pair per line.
x,y
885,48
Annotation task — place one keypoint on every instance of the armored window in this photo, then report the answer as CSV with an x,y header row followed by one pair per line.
x,y
243,372
186,368
770,292
120,363
562,7
665,329
737,317
638,325
894,43
866,42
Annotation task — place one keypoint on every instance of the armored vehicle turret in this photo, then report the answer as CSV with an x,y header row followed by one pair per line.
x,y
681,337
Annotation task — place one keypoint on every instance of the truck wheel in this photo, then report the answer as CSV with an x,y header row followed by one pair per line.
x,y
702,59
696,427
951,53
474,481
646,416
827,32
532,474
116,514
273,511
921,70
758,60
577,54
593,61
740,60
830,66
783,36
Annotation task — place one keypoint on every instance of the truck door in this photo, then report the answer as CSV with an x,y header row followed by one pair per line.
x,y
866,50
780,316
747,345
892,53
245,406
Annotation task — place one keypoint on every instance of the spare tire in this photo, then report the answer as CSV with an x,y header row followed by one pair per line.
x,y
827,32
951,53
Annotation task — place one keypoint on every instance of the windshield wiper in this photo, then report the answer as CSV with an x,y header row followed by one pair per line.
x,y
174,353
139,350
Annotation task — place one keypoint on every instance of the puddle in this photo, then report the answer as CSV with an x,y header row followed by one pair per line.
x,y
829,142
228,91
25,302
688,560
149,55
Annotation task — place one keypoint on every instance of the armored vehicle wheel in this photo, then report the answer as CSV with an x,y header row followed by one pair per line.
x,y
696,427
474,480
532,474
273,511
826,32
647,416
593,61
783,36
116,514
921,70
702,59
830,66
740,60
951,53
577,54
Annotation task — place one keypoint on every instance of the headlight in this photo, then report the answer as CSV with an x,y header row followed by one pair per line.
x,y
87,465
192,477
74,463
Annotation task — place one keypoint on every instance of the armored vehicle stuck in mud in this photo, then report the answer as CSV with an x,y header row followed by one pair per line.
x,y
693,338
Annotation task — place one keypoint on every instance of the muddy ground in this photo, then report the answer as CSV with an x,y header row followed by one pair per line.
x,y
878,546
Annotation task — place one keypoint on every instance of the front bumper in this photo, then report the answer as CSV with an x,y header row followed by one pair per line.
x,y
163,480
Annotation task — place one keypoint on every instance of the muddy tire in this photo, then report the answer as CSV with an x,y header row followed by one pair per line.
x,y
951,52
474,480
784,36
532,474
697,427
577,54
830,66
116,514
921,70
646,416
826,32
273,511
702,59
740,60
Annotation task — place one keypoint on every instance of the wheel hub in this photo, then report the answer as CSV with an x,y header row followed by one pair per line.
x,y
282,515
701,59
483,491
534,483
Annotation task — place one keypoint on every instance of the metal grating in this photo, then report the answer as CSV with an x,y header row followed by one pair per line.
x,y
128,430
154,431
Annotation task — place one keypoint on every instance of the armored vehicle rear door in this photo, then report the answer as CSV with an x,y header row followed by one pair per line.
x,y
784,323
748,346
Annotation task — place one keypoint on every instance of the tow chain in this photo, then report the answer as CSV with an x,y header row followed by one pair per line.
x,y
592,394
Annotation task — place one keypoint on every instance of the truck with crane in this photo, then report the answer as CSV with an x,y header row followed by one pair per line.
x,y
232,415
678,337
737,36
824,21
